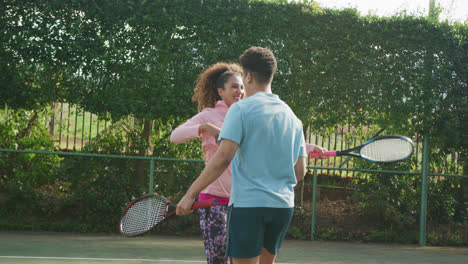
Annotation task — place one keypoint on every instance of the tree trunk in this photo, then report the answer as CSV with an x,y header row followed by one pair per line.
x,y
52,120
31,123
139,178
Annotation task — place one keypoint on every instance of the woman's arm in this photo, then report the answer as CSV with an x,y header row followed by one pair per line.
x,y
188,130
185,132
193,128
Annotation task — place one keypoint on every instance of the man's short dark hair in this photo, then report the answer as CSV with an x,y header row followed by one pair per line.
x,y
260,62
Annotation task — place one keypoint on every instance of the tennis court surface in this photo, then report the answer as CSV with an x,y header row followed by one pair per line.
x,y
58,248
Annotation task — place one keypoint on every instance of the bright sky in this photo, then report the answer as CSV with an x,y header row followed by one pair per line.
x,y
454,10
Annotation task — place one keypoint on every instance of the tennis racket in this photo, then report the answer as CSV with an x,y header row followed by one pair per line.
x,y
146,212
380,149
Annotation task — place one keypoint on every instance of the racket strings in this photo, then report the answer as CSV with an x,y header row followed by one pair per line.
x,y
143,215
387,150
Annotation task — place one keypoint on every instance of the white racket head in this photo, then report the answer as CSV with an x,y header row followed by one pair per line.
x,y
144,214
387,149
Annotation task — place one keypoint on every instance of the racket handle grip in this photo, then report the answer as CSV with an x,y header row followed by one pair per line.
x,y
205,203
327,153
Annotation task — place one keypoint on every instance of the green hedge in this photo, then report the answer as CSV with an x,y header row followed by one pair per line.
x,y
142,57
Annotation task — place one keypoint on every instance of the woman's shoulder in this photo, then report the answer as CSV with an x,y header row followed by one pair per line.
x,y
207,110
208,113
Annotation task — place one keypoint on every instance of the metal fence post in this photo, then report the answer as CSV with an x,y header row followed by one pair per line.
x,y
424,176
314,195
151,176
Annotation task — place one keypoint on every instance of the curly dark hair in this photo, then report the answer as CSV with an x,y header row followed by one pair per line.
x,y
206,92
260,62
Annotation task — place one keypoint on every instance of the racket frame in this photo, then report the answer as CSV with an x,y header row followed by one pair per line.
x,y
196,205
382,138
147,196
355,152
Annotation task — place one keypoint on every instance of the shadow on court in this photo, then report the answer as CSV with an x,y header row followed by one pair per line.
x,y
59,248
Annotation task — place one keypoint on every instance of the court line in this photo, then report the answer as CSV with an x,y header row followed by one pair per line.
x,y
102,259
109,259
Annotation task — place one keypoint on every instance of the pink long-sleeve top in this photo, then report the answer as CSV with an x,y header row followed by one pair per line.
x,y
189,130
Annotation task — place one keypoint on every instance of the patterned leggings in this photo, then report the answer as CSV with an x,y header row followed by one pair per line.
x,y
213,228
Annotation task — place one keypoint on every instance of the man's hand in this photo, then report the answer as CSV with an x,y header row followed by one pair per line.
x,y
310,148
210,129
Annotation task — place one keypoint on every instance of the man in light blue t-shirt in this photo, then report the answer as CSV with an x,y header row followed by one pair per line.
x,y
265,142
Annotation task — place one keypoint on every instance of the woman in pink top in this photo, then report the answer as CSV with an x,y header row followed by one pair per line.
x,y
218,87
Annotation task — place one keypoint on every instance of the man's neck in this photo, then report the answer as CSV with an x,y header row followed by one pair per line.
x,y
262,88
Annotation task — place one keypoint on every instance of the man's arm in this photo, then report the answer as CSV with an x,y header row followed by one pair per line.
x,y
215,167
300,168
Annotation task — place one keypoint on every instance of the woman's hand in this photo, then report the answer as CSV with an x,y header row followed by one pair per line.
x,y
184,206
